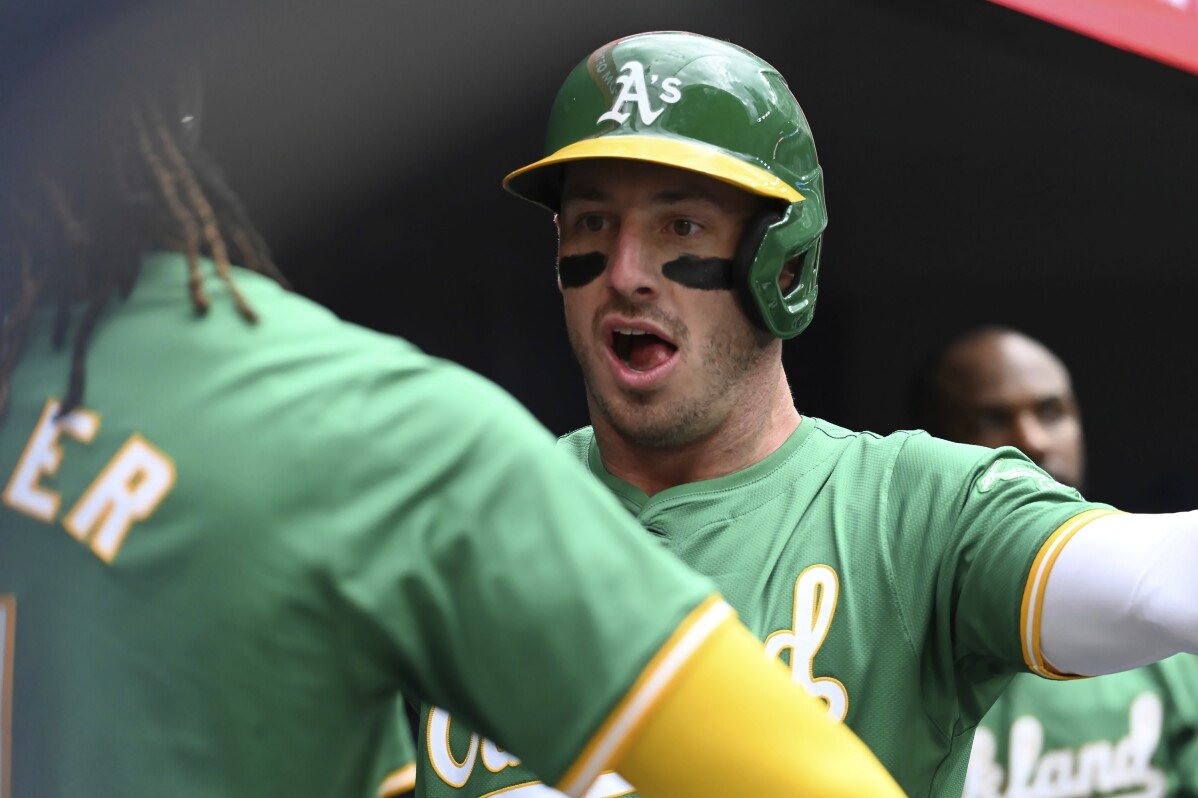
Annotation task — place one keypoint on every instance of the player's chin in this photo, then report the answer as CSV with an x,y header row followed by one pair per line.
x,y
654,430
645,417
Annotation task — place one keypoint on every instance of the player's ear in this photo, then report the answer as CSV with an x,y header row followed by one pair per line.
x,y
787,278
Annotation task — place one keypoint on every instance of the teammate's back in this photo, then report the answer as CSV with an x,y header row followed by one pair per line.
x,y
193,544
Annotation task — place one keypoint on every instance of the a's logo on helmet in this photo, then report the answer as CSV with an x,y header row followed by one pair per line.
x,y
633,89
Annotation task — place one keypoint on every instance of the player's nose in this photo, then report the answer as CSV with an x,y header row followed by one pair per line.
x,y
1031,437
631,269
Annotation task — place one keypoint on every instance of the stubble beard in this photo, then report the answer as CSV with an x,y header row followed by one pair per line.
x,y
726,362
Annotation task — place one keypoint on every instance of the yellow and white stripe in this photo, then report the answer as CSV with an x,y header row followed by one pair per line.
x,y
1033,593
399,782
652,684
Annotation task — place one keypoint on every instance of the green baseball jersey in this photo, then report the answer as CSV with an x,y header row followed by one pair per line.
x,y
219,575
1131,733
889,574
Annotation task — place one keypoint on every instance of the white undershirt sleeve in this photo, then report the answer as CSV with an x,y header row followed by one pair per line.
x,y
1122,593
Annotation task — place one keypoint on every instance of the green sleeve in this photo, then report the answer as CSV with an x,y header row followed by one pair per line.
x,y
487,572
968,523
395,770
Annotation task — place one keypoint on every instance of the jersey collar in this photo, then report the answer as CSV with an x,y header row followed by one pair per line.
x,y
753,473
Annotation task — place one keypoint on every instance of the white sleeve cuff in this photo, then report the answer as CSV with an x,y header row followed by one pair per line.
x,y
1121,592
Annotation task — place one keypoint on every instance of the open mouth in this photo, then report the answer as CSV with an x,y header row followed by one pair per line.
x,y
640,350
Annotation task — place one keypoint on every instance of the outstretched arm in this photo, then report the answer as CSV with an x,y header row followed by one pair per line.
x,y
1122,592
734,724
499,580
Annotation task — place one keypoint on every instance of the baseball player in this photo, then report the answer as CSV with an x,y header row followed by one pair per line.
x,y
902,579
1134,732
234,529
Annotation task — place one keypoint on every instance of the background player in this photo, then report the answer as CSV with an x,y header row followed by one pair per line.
x,y
997,387
903,579
1131,731
244,526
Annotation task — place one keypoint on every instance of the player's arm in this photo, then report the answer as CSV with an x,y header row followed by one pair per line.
x,y
1119,592
1029,572
395,771
732,723
971,530
499,581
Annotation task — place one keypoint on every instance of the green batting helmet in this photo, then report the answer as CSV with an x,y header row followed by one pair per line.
x,y
690,102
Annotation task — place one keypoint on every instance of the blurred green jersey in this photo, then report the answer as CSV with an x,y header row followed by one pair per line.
x,y
1131,733
220,573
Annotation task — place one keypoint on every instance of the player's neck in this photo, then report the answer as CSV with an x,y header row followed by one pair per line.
x,y
747,437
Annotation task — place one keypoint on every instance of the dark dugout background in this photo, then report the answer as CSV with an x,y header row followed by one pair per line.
x,y
982,167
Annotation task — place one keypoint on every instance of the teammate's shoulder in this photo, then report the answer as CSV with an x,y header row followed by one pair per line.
x,y
320,346
304,354
578,443
387,375
285,312
287,324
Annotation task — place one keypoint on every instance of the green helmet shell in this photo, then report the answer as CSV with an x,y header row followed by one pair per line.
x,y
695,103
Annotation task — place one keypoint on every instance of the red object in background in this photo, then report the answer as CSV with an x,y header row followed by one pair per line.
x,y
1165,30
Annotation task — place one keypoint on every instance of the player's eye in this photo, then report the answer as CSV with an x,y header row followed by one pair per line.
x,y
990,420
684,227
1050,411
591,222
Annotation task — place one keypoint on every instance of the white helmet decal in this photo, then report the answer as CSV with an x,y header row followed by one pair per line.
x,y
634,89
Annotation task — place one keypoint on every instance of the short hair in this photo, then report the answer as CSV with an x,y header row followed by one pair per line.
x,y
928,402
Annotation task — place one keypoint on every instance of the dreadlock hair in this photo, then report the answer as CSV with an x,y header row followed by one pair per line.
x,y
80,213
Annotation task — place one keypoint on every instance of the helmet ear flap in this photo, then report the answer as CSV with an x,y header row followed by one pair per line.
x,y
800,296
746,256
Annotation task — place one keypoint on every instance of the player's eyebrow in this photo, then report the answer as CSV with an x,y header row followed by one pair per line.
x,y
674,195
583,193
